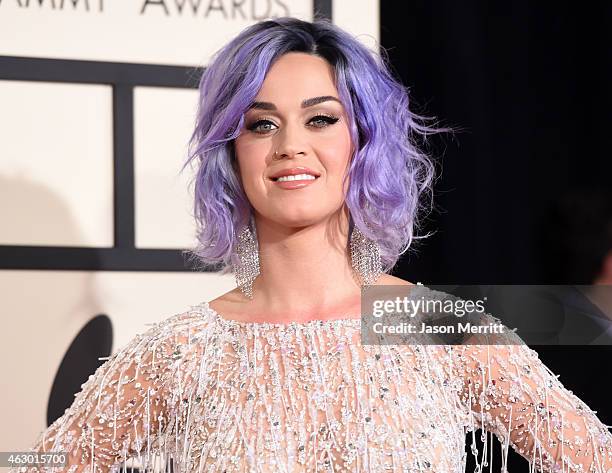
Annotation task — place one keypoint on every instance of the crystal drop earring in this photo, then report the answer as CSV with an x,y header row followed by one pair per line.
x,y
365,257
246,261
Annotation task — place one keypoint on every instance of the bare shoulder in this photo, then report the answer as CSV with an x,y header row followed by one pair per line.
x,y
387,279
232,305
226,301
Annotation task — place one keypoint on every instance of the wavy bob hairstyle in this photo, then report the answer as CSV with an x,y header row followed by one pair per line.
x,y
388,173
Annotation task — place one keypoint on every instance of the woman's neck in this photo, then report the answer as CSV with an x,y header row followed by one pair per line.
x,y
305,272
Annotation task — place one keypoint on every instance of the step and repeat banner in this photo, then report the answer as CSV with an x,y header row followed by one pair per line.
x,y
97,103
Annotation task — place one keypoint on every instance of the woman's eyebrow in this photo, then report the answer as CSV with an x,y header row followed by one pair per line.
x,y
305,103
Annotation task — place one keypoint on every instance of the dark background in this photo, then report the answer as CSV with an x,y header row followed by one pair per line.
x,y
529,85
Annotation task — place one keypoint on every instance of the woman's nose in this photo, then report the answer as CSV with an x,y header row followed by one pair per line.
x,y
291,143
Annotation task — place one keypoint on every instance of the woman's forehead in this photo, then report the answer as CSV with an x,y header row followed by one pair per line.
x,y
302,73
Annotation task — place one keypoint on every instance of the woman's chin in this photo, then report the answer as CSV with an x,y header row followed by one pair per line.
x,y
299,221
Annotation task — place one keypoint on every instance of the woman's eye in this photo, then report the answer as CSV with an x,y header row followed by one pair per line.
x,y
319,121
324,120
256,126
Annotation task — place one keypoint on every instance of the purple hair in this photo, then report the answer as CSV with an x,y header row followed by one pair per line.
x,y
388,173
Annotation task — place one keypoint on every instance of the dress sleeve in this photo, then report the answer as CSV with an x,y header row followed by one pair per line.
x,y
509,392
122,408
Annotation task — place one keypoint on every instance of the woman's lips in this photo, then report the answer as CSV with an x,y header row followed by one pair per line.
x,y
297,184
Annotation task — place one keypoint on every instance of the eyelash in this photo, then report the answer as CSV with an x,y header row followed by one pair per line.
x,y
329,119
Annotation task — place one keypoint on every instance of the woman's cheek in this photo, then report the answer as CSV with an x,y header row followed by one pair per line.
x,y
252,189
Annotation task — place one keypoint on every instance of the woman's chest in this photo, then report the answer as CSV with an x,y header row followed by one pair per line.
x,y
329,407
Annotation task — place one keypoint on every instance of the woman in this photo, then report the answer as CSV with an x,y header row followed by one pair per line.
x,y
272,376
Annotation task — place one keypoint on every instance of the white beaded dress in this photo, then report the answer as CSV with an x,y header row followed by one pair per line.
x,y
219,395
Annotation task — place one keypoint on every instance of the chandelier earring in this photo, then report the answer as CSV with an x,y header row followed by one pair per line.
x,y
365,257
246,261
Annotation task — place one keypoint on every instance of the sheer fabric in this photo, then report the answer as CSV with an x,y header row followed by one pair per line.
x,y
217,395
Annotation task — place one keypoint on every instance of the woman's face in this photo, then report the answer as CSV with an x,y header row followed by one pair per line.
x,y
296,125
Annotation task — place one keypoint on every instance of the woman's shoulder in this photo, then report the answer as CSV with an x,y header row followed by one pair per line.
x,y
231,305
181,327
192,315
389,280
